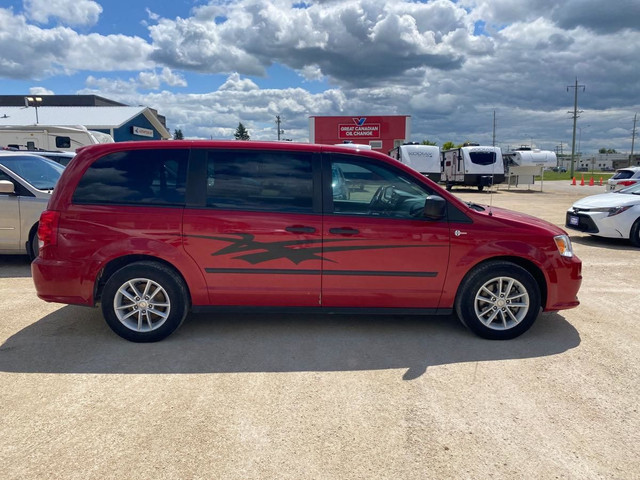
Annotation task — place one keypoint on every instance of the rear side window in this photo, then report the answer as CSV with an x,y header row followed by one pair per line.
x,y
622,174
260,180
137,177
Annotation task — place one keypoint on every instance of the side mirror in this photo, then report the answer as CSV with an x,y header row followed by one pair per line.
x,y
7,187
435,207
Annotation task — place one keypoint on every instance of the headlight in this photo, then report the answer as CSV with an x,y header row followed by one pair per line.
x,y
611,210
563,243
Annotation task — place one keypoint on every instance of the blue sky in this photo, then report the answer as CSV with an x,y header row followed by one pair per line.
x,y
207,65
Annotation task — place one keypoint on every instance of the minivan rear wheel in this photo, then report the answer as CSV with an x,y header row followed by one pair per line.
x,y
32,247
498,301
144,302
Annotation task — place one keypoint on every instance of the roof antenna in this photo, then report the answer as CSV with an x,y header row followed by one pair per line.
x,y
493,167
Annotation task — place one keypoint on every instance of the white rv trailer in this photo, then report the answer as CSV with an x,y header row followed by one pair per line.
x,y
472,165
50,137
423,158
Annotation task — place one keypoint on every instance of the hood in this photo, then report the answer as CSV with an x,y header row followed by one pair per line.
x,y
604,200
498,213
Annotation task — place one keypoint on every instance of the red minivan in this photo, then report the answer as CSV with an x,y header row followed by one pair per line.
x,y
153,230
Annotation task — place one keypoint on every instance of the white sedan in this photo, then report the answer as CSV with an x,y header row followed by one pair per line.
x,y
612,215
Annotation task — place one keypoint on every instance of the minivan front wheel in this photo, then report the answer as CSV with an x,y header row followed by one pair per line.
x,y
144,302
498,301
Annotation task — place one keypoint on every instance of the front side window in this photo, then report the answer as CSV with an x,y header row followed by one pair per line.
x,y
260,180
138,177
375,189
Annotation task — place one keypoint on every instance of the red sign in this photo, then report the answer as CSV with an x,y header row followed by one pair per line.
x,y
380,132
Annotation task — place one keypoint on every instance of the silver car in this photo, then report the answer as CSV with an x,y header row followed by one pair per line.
x,y
26,183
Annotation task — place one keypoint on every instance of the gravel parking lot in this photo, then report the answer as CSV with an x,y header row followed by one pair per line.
x,y
291,397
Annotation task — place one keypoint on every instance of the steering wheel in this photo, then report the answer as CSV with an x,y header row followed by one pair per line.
x,y
381,200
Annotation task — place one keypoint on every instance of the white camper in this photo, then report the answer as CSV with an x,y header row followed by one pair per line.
x,y
50,137
524,164
423,158
526,159
473,165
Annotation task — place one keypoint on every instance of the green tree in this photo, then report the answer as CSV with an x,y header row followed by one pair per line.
x,y
607,150
448,145
429,142
177,134
241,133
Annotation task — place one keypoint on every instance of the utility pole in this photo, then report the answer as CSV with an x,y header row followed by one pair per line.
x,y
278,122
633,137
494,129
575,120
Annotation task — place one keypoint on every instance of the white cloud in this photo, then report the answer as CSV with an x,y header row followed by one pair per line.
x,y
448,64
68,12
28,51
152,80
234,82
40,91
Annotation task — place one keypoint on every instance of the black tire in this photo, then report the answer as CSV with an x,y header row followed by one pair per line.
x,y
448,186
634,236
498,317
144,318
32,246
480,188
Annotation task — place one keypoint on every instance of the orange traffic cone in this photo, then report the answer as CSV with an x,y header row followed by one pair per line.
x,y
582,180
574,181
591,182
600,181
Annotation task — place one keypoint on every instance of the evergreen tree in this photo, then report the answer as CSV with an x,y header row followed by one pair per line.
x,y
241,133
177,134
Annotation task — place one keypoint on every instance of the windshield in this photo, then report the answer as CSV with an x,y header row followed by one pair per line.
x,y
40,172
632,190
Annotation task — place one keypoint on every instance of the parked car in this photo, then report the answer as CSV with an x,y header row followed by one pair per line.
x,y
63,158
559,169
612,215
624,177
26,182
152,230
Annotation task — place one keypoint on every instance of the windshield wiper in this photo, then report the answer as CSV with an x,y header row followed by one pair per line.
x,y
475,206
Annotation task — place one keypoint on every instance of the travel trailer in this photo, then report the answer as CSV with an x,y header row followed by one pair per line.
x,y
423,158
472,165
50,137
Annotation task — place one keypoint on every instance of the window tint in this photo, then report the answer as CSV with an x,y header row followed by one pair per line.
x,y
260,180
483,158
63,142
141,177
375,190
622,174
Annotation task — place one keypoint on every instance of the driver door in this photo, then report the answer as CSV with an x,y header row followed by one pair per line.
x,y
9,218
378,250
